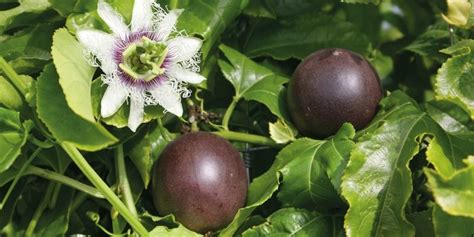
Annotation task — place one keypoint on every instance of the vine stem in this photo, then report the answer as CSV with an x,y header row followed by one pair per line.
x,y
95,179
123,184
250,138
53,176
13,76
228,113
39,211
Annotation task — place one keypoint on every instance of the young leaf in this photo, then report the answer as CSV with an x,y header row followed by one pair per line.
x,y
64,124
454,194
75,74
9,97
254,82
299,36
455,78
297,222
13,135
281,132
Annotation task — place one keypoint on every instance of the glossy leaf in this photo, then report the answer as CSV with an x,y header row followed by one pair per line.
x,y
299,36
209,18
252,81
63,123
75,74
455,78
449,116
454,194
297,222
312,170
377,182
452,226
13,135
70,6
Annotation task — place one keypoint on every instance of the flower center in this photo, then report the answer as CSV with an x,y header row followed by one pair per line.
x,y
143,60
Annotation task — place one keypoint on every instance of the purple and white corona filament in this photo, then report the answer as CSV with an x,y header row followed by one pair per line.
x,y
148,62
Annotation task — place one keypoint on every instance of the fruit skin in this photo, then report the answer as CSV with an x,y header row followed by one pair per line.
x,y
202,180
330,87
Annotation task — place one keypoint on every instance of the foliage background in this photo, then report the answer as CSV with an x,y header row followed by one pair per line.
x,y
410,172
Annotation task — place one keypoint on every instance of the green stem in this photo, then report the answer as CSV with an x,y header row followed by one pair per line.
x,y
228,113
18,175
54,196
53,176
39,211
95,179
114,216
13,76
43,144
123,184
250,138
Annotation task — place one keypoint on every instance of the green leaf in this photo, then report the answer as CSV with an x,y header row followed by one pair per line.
x,y
423,222
452,226
299,36
252,81
454,194
13,135
278,8
9,97
75,74
449,116
282,132
455,78
160,231
145,150
430,42
298,222
312,170
26,12
209,18
66,7
55,222
377,182
361,1
64,124
120,118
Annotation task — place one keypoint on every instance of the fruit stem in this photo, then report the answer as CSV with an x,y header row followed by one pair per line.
x,y
123,184
53,176
228,113
97,181
250,138
13,76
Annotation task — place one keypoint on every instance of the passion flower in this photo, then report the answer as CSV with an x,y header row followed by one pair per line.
x,y
150,62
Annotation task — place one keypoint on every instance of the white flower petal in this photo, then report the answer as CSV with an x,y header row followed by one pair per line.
x,y
183,48
112,19
113,98
168,99
137,111
101,45
181,74
142,14
165,26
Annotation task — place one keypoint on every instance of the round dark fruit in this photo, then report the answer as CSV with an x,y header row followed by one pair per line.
x,y
202,180
331,87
